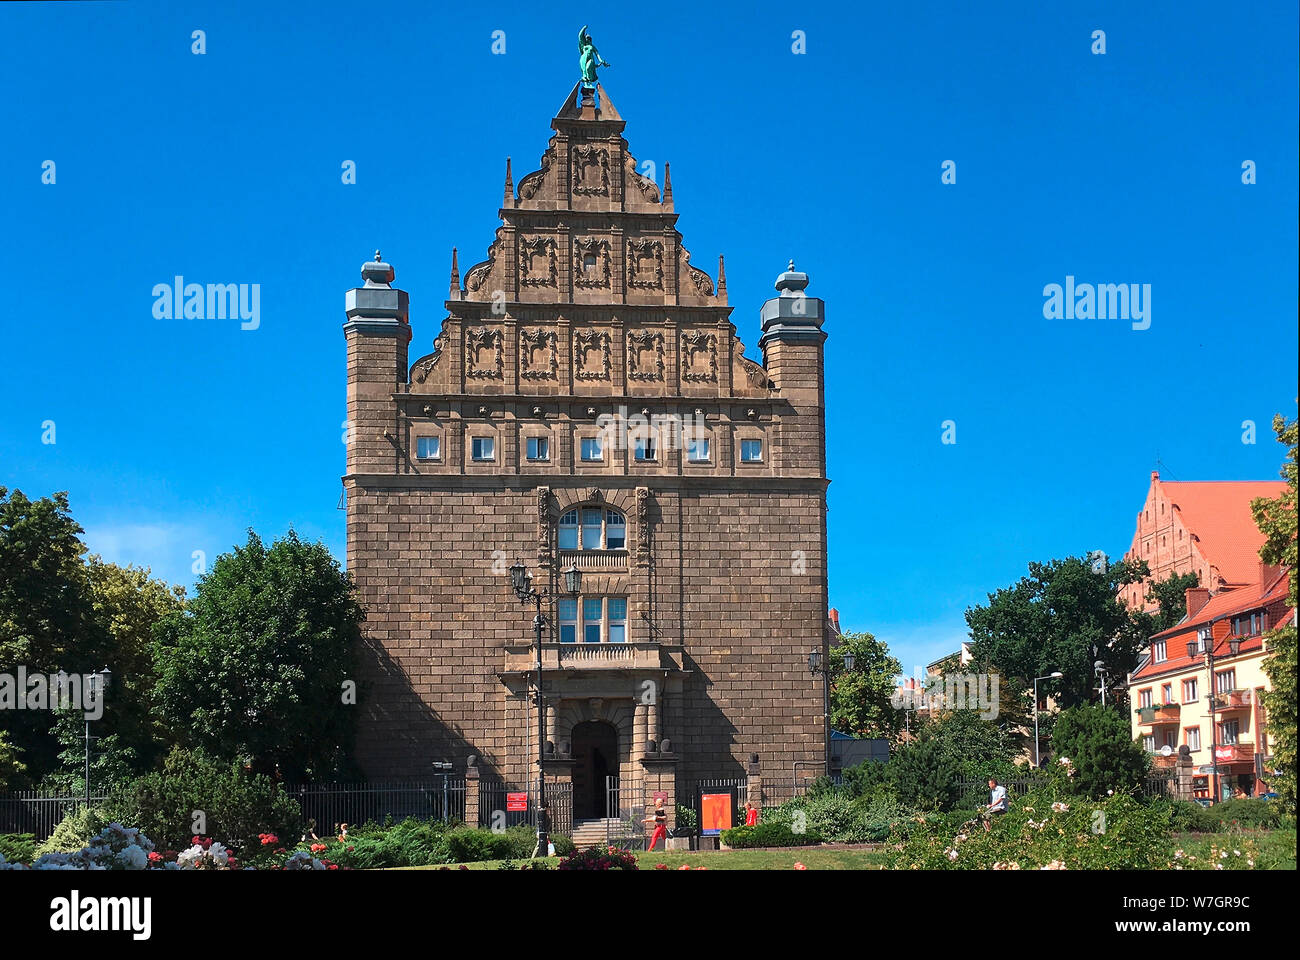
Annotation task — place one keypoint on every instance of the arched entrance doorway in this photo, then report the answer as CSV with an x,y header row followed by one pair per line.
x,y
595,754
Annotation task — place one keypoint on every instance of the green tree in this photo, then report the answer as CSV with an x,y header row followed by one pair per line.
x,y
975,747
129,604
860,698
1170,595
1097,742
1276,519
47,617
1053,620
255,669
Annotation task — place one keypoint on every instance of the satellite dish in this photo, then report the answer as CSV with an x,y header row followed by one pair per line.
x,y
1166,750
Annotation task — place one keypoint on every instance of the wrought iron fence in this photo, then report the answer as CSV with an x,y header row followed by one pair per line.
x,y
332,804
37,812
493,806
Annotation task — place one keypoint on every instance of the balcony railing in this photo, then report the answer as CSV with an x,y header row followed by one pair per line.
x,y
1160,761
1158,714
1234,753
1233,700
596,561
587,656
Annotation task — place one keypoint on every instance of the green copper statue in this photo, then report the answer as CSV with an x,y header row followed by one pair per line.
x,y
588,57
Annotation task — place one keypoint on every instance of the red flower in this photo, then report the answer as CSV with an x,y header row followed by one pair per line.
x,y
317,847
684,866
155,856
334,866
350,849
799,866
661,866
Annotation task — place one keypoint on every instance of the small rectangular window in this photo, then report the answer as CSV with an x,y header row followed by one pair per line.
x,y
1144,698
1225,682
591,528
1193,738
484,448
428,448
644,449
1189,691
1229,730
617,619
591,449
539,448
1167,693
591,617
615,531
568,611
1149,743
697,451
751,451
1158,651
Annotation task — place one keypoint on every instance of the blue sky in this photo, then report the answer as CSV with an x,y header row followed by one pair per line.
x,y
174,436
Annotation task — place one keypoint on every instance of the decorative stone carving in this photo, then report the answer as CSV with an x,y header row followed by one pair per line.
x,y
538,264
645,264
649,189
543,524
595,495
756,375
590,171
642,525
699,357
532,183
590,355
538,357
424,366
645,356
702,281
483,360
478,275
597,250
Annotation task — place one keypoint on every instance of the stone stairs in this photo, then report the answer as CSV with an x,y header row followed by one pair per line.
x,y
592,833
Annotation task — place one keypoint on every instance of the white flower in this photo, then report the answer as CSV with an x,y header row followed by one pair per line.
x,y
1236,853
1059,807
133,858
952,854
1223,855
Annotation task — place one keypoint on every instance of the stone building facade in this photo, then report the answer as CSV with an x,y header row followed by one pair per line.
x,y
588,404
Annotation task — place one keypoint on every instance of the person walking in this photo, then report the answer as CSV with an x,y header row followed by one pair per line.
x,y
660,820
997,802
751,814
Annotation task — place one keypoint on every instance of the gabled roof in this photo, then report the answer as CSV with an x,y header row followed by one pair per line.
x,y
1218,514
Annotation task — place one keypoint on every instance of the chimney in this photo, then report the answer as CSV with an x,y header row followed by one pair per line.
x,y
1196,598
1268,572
835,621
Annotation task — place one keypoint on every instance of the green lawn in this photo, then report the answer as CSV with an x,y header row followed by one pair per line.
x,y
814,858
1244,849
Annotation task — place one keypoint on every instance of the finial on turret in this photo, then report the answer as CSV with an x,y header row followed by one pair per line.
x,y
510,187
376,273
722,279
379,258
454,293
792,266
668,186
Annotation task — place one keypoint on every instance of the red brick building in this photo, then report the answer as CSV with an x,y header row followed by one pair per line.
x,y
1204,528
700,531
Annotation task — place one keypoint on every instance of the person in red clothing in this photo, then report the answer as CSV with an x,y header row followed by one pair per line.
x,y
751,814
660,820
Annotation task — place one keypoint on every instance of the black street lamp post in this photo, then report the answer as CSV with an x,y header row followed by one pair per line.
x,y
815,667
522,581
98,685
1205,644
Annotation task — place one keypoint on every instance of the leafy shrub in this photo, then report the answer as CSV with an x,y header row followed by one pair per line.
x,y
1047,829
18,847
687,821
838,817
538,864
237,804
1248,813
75,830
1099,745
599,858
768,835
470,845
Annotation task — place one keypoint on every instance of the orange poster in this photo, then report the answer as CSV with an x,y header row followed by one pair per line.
x,y
715,813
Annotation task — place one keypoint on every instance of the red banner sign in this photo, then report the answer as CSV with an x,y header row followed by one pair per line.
x,y
516,801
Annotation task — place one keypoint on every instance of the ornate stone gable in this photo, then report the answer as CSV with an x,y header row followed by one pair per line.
x,y
538,356
590,165
590,355
645,356
483,360
538,263
591,262
699,357
645,263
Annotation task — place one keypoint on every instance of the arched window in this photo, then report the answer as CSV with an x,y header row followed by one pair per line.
x,y
593,528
